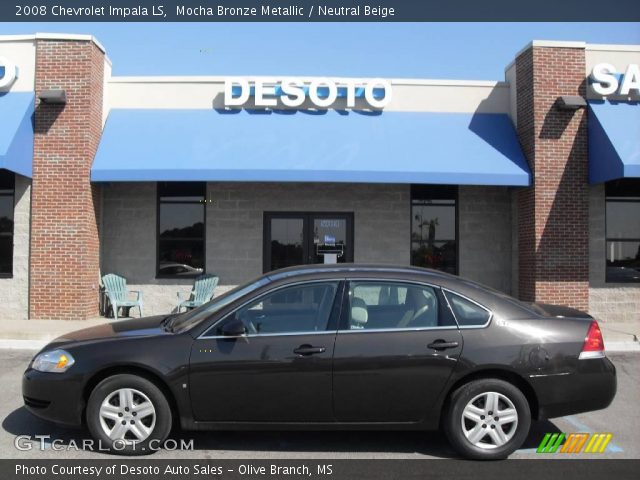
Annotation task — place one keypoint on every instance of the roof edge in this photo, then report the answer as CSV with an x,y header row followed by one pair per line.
x,y
53,36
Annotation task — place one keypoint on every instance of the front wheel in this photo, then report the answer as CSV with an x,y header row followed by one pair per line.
x,y
128,414
487,419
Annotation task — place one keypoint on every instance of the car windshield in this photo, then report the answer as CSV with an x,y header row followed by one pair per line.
x,y
193,317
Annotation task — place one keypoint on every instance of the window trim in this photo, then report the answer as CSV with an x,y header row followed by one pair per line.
x,y
345,309
456,220
227,315
204,236
607,239
467,327
12,195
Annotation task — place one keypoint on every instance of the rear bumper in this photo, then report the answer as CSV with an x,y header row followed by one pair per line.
x,y
592,386
56,397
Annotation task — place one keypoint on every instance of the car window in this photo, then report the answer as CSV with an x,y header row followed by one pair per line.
x,y
467,312
192,318
389,305
299,308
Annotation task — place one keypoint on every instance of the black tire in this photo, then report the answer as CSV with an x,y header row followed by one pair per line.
x,y
453,418
161,427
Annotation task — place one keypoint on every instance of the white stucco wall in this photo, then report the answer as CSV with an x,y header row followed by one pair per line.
x,y
21,51
408,94
620,56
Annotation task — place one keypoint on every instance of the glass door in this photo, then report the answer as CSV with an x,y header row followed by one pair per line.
x,y
292,238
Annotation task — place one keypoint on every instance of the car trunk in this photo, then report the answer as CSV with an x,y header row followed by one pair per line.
x,y
549,310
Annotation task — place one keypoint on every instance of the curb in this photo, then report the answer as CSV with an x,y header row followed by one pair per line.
x,y
614,347
21,344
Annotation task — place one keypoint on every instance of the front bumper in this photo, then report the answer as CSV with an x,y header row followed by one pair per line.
x,y
592,386
56,397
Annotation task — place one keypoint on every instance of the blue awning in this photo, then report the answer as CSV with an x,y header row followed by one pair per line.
x,y
614,141
16,133
328,146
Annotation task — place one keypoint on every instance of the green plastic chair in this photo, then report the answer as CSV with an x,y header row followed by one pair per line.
x,y
201,293
115,287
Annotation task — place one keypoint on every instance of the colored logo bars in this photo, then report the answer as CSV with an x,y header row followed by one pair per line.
x,y
574,443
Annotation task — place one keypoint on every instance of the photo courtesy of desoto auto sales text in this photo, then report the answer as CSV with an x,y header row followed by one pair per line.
x,y
330,240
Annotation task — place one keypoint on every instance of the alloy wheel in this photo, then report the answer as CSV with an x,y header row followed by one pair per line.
x,y
127,415
489,420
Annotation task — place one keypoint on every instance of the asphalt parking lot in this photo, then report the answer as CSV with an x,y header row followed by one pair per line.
x,y
621,419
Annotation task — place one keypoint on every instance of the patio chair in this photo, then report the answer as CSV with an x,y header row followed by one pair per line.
x,y
201,293
115,288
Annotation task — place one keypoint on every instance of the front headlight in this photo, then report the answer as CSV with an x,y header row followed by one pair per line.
x,y
57,361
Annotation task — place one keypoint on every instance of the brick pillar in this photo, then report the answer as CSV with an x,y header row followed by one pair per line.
x,y
64,236
553,216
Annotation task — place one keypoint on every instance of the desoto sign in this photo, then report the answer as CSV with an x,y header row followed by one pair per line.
x,y
293,92
8,72
606,80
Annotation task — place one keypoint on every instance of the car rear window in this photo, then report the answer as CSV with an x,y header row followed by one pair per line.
x,y
468,313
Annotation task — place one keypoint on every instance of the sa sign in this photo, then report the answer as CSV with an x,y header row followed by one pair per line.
x,y
608,81
8,72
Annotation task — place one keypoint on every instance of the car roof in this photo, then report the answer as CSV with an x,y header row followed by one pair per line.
x,y
342,268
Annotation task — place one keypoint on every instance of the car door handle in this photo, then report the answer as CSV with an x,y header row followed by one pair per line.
x,y
442,345
308,350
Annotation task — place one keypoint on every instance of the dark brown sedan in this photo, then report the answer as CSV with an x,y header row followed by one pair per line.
x,y
334,347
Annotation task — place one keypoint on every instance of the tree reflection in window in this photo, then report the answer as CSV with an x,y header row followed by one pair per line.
x,y
181,229
433,227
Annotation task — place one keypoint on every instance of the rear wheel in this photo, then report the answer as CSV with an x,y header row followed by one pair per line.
x,y
487,419
126,413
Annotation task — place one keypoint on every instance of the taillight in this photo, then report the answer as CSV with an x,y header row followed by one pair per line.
x,y
593,343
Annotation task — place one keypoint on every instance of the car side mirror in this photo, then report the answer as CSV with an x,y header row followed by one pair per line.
x,y
233,328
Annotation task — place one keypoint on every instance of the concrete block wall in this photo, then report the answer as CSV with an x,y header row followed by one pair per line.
x,y
14,292
128,244
235,221
609,302
234,229
485,231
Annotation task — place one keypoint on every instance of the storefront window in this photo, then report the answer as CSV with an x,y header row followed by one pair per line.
x,y
623,230
7,188
181,229
433,227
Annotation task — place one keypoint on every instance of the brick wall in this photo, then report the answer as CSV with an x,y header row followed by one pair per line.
x,y
553,223
64,235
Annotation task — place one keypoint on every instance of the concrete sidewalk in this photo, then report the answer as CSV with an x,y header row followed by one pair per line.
x,y
34,334
621,337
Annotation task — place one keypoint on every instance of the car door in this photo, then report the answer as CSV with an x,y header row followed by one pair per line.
x,y
280,370
397,346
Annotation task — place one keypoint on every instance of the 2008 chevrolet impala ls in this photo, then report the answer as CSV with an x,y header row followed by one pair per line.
x,y
331,347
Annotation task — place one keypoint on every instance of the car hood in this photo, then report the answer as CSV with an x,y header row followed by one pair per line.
x,y
136,327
